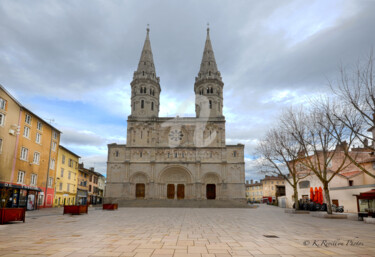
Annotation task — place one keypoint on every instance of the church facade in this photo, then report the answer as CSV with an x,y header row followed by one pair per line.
x,y
175,158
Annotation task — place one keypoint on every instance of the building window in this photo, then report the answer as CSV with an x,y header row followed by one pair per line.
x,y
69,174
52,164
234,153
210,102
28,119
60,186
89,188
3,103
142,104
54,146
62,172
21,177
26,132
2,119
68,187
350,183
50,181
36,158
39,126
38,138
24,153
54,134
33,179
63,159
70,164
140,154
304,184
116,153
175,155
152,106
1,145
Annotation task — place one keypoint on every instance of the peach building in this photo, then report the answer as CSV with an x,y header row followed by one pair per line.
x,y
344,186
28,155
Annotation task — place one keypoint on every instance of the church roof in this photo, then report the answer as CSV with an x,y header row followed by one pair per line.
x,y
146,66
208,69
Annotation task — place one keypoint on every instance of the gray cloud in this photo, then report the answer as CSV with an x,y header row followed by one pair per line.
x,y
71,49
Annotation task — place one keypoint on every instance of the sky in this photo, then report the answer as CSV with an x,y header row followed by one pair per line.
x,y
73,61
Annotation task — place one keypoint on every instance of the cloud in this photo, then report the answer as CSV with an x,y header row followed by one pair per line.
x,y
74,62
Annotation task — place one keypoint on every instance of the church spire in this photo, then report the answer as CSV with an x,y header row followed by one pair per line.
x,y
208,69
146,67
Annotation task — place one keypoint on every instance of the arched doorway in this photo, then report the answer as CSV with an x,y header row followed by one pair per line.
x,y
211,191
211,181
175,183
139,181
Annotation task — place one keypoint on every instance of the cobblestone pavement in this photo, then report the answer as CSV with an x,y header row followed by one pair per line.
x,y
180,232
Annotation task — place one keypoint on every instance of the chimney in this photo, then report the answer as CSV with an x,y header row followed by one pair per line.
x,y
251,181
247,181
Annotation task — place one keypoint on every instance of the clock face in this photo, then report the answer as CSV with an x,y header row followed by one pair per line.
x,y
175,135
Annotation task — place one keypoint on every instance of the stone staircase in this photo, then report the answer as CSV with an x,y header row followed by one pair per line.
x,y
185,203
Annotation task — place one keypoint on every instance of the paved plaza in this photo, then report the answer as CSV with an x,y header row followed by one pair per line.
x,y
185,232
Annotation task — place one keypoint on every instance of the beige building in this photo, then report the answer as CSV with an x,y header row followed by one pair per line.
x,y
254,191
271,186
344,186
175,158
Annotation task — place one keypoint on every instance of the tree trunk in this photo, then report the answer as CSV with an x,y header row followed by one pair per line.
x,y
296,202
328,198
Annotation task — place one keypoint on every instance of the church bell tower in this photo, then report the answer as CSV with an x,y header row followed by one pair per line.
x,y
145,86
208,85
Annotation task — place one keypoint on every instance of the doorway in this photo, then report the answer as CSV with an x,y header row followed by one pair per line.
x,y
140,191
180,191
211,191
170,191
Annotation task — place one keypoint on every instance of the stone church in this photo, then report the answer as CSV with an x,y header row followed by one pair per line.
x,y
175,158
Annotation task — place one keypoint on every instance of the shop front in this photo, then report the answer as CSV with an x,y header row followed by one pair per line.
x,y
81,197
21,196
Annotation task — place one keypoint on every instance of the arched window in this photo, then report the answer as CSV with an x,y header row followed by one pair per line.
x,y
210,102
212,90
142,104
152,106
208,90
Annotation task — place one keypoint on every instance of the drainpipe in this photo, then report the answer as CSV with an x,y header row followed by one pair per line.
x,y
49,161
15,149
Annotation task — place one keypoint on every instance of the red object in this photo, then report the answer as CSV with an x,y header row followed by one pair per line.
x,y
311,194
110,206
75,209
321,195
316,194
12,214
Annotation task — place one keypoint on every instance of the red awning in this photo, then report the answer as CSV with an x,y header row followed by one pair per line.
x,y
367,195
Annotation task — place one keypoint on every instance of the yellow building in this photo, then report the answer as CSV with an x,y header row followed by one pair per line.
x,y
66,177
271,185
254,191
28,154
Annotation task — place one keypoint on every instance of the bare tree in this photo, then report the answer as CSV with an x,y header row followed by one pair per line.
x,y
355,90
277,153
314,134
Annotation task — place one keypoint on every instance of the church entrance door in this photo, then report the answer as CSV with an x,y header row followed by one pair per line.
x,y
170,191
180,191
211,191
140,191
